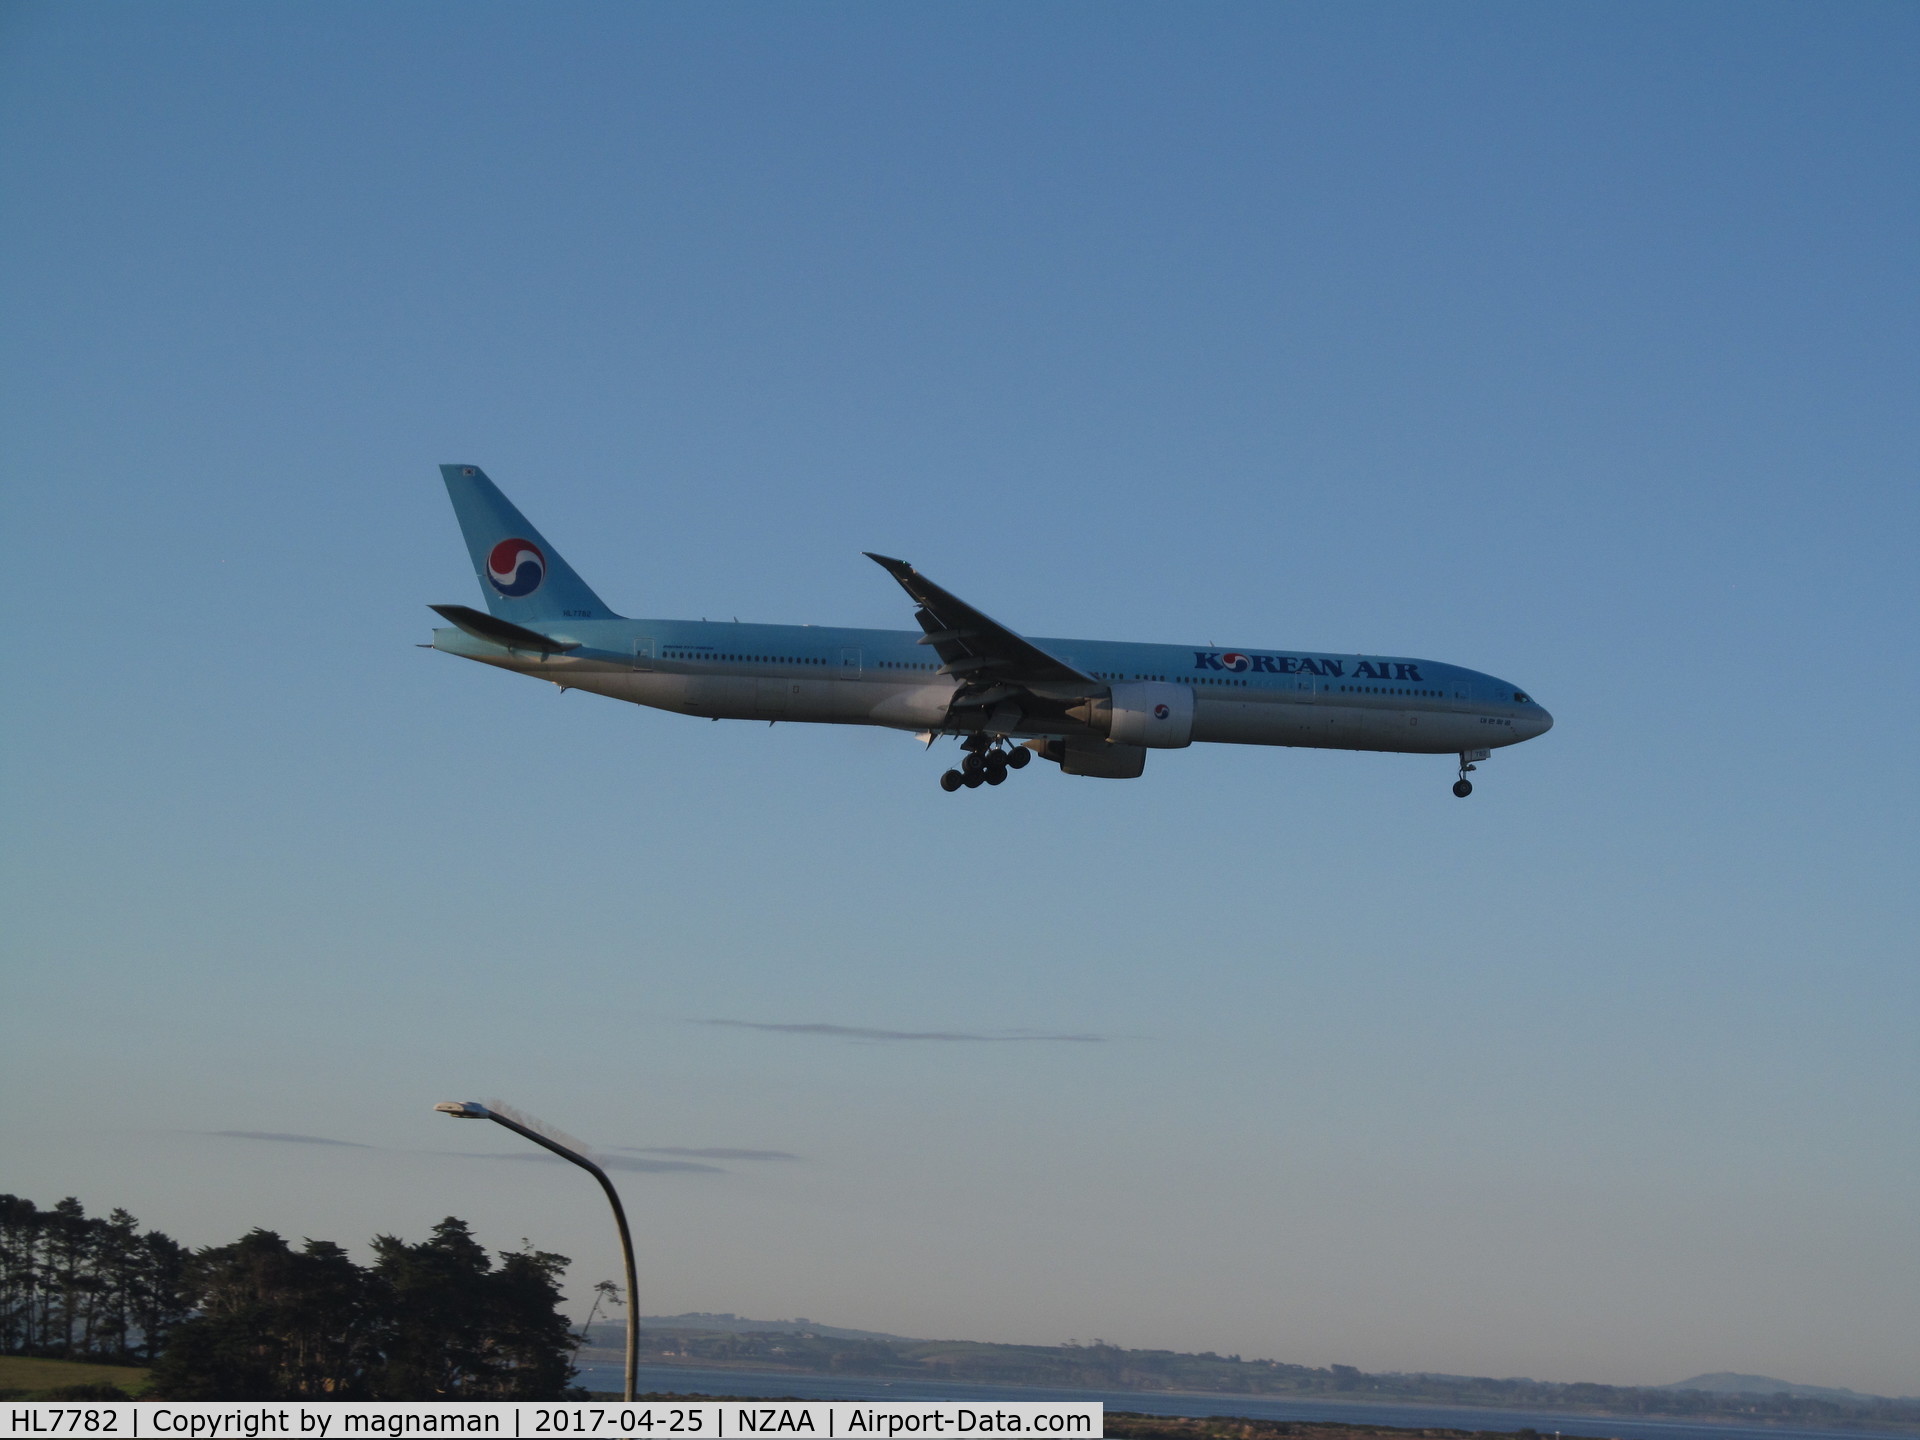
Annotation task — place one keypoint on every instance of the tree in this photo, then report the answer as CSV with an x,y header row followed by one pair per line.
x,y
116,1254
273,1324
605,1292
259,1320
19,1273
535,1343
437,1306
157,1291
457,1329
69,1280
80,1288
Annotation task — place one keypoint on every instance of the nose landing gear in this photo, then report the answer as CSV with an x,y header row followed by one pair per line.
x,y
987,761
1463,787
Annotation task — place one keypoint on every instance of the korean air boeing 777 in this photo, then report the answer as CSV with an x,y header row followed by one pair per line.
x,y
1093,707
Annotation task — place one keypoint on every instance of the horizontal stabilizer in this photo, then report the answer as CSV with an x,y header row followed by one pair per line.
x,y
496,631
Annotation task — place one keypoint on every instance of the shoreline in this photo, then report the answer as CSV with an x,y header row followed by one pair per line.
x,y
1355,1413
598,1358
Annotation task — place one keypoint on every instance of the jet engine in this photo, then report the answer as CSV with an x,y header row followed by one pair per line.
x,y
1152,713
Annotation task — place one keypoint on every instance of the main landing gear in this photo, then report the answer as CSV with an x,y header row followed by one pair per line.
x,y
986,763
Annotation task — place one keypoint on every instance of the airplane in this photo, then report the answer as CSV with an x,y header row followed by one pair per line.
x,y
1092,707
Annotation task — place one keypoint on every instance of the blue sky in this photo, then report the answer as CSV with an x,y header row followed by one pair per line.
x,y
1571,343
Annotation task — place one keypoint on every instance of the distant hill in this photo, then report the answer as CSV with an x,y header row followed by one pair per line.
x,y
1725,1382
729,1324
729,1342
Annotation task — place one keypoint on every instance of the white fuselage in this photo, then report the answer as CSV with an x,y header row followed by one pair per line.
x,y
825,675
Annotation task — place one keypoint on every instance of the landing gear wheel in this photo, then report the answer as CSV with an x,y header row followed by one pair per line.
x,y
973,781
1018,759
1463,787
996,775
952,781
974,764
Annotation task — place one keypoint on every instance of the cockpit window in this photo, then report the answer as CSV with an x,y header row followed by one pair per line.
x,y
1520,699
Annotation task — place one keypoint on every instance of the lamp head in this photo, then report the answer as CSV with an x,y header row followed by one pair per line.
x,y
464,1109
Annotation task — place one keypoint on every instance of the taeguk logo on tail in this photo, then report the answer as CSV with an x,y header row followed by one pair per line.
x,y
515,568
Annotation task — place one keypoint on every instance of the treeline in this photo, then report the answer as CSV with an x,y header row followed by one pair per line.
x,y
76,1287
260,1320
1100,1366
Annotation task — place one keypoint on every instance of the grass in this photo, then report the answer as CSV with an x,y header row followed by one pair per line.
x,y
23,1373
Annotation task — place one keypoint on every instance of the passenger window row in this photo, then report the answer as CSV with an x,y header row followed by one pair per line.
x,y
671,653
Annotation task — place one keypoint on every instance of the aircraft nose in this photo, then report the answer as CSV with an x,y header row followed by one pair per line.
x,y
1543,721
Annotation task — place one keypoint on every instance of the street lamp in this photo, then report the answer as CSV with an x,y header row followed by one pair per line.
x,y
474,1110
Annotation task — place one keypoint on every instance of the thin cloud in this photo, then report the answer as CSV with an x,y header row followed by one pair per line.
x,y
713,1152
605,1162
635,1162
861,1032
290,1139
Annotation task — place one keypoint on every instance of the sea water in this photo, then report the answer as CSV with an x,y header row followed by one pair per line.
x,y
777,1384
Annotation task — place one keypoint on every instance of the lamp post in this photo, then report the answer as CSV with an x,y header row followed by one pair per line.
x,y
473,1110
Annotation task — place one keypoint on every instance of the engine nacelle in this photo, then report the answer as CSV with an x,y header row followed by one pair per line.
x,y
1152,713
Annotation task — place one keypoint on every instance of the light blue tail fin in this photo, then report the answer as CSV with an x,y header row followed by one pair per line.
x,y
522,576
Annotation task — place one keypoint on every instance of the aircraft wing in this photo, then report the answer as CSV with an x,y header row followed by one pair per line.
x,y
974,647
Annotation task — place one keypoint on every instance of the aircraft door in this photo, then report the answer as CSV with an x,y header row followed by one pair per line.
x,y
772,698
850,701
643,652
